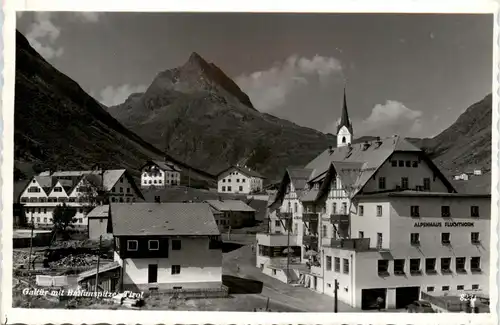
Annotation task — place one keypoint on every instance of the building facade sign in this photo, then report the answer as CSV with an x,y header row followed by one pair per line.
x,y
446,224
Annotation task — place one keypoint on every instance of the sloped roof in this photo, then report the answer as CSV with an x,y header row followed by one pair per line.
x,y
166,165
103,268
99,211
260,207
139,219
299,177
230,205
309,195
45,182
244,170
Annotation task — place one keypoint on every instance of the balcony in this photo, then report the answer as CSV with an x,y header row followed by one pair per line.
x,y
284,215
310,217
339,217
281,262
278,239
358,244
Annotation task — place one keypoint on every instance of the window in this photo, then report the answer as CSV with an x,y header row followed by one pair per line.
x,y
57,189
475,286
229,188
430,265
241,188
44,220
334,208
128,188
383,267
154,181
399,267
153,245
337,264
446,265
408,163
415,211
394,163
445,211
176,269
460,264
381,183
460,287
223,188
445,288
37,219
401,163
328,263
243,180
296,228
474,211
427,184
176,244
361,234
223,180
415,266
277,223
132,245
474,237
379,210
415,239
414,164
237,180
361,210
344,207
346,266
121,189
430,289
475,264
325,231
379,240
404,182
445,238
45,211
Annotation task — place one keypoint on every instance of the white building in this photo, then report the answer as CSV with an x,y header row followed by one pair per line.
x,y
239,180
78,189
185,254
160,174
381,219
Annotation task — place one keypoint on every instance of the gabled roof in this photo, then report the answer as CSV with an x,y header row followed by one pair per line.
x,y
176,219
355,165
164,165
230,205
45,182
296,176
100,211
244,170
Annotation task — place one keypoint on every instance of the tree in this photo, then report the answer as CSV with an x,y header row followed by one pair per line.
x,y
63,219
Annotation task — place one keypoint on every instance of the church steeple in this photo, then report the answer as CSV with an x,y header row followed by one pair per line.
x,y
344,128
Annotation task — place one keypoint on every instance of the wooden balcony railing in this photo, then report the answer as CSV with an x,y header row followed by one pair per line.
x,y
310,217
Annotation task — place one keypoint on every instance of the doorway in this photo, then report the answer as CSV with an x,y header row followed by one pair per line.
x,y
152,273
369,298
406,296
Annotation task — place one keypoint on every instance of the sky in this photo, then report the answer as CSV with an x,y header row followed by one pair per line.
x,y
406,74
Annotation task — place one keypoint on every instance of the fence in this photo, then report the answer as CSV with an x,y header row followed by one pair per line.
x,y
222,292
66,270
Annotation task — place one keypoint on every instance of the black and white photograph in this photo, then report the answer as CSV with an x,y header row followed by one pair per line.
x,y
336,162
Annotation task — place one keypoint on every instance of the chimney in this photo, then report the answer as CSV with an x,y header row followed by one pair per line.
x,y
330,149
378,138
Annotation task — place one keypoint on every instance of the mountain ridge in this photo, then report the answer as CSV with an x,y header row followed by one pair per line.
x,y
57,125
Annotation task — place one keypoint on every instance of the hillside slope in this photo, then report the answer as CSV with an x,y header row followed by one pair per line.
x,y
59,126
200,115
466,143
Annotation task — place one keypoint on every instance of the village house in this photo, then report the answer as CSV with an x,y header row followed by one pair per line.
x,y
82,190
157,173
379,219
468,173
239,180
98,221
232,213
163,246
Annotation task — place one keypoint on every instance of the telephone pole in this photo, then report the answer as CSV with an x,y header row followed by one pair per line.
x,y
335,297
31,242
98,261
